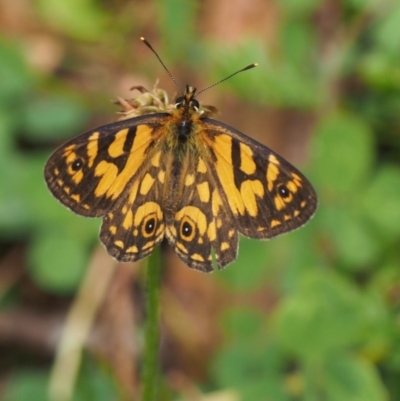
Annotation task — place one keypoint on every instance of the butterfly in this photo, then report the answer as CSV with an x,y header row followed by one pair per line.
x,y
171,171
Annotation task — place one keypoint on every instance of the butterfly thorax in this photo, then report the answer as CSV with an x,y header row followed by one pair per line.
x,y
182,132
182,148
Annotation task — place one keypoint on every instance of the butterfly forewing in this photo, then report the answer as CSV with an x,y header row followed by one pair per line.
x,y
266,195
91,173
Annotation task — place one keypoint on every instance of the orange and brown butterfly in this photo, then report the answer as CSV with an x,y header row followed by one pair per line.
x,y
170,171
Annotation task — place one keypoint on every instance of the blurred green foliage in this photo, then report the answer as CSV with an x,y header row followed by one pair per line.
x,y
94,383
334,334
29,117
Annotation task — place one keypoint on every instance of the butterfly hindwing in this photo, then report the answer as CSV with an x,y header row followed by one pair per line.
x,y
137,224
202,227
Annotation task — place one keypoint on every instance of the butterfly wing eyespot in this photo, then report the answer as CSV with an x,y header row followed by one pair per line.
x,y
187,229
187,233
75,166
283,191
133,230
149,225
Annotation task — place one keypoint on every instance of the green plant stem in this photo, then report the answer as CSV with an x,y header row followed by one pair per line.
x,y
150,376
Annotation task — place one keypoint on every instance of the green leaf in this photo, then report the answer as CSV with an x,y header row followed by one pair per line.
x,y
310,322
343,153
249,270
299,44
15,78
355,245
224,60
361,5
6,141
15,208
26,385
388,275
387,31
353,379
382,200
53,117
177,24
300,7
287,84
242,324
251,370
95,382
378,335
82,19
293,256
57,261
381,71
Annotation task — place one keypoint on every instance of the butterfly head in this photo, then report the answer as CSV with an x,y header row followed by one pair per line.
x,y
188,105
188,100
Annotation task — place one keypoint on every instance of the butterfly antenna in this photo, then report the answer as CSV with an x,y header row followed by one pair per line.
x,y
249,67
162,63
